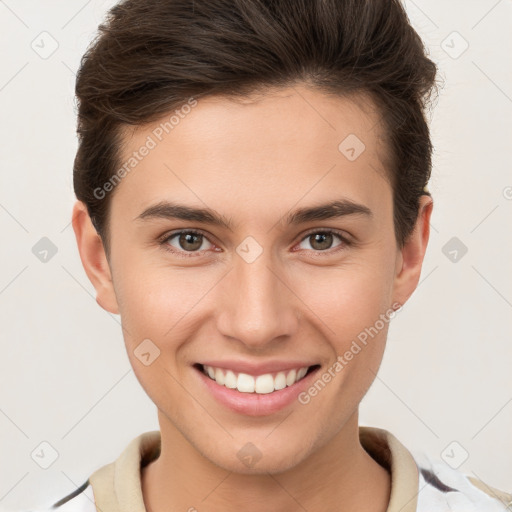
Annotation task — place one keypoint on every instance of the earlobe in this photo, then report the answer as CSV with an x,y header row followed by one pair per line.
x,y
93,257
410,257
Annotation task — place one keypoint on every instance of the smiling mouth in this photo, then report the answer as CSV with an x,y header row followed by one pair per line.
x,y
260,384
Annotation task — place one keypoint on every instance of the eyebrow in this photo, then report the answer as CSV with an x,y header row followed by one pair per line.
x,y
331,210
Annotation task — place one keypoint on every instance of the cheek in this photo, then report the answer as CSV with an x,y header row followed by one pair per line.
x,y
158,302
140,285
155,312
348,299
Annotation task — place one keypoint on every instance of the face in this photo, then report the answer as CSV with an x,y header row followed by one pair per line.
x,y
280,281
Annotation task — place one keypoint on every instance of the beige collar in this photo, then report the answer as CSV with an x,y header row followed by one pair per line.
x,y
390,453
117,486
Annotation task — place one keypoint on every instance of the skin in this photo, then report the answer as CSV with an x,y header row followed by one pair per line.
x,y
254,161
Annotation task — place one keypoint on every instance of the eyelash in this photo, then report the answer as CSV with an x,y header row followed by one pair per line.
x,y
163,241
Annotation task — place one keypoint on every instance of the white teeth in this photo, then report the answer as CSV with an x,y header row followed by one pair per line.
x,y
301,373
291,378
231,380
262,384
245,383
219,376
280,381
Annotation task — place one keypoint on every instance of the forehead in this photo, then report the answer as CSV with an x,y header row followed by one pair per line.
x,y
288,145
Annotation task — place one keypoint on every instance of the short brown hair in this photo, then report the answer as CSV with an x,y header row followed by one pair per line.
x,y
151,56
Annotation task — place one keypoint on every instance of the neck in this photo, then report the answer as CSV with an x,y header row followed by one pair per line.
x,y
339,475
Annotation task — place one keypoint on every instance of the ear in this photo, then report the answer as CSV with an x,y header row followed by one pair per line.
x,y
94,259
410,257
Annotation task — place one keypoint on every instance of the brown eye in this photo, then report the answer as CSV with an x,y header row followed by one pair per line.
x,y
190,241
186,241
323,240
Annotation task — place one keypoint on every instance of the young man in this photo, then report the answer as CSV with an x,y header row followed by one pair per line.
x,y
251,200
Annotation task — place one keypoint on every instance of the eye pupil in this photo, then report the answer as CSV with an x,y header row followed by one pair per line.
x,y
322,237
188,238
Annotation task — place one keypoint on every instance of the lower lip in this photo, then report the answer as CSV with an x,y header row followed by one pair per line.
x,y
256,404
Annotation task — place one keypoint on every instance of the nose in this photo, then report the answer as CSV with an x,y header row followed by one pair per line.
x,y
257,303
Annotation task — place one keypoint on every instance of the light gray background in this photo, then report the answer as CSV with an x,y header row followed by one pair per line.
x,y
65,378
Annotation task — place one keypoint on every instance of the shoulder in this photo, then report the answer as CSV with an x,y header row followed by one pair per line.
x,y
442,488
80,500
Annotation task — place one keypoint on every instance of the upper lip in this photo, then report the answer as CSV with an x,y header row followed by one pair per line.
x,y
254,368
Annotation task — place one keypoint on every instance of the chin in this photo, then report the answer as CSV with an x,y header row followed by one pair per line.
x,y
251,460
